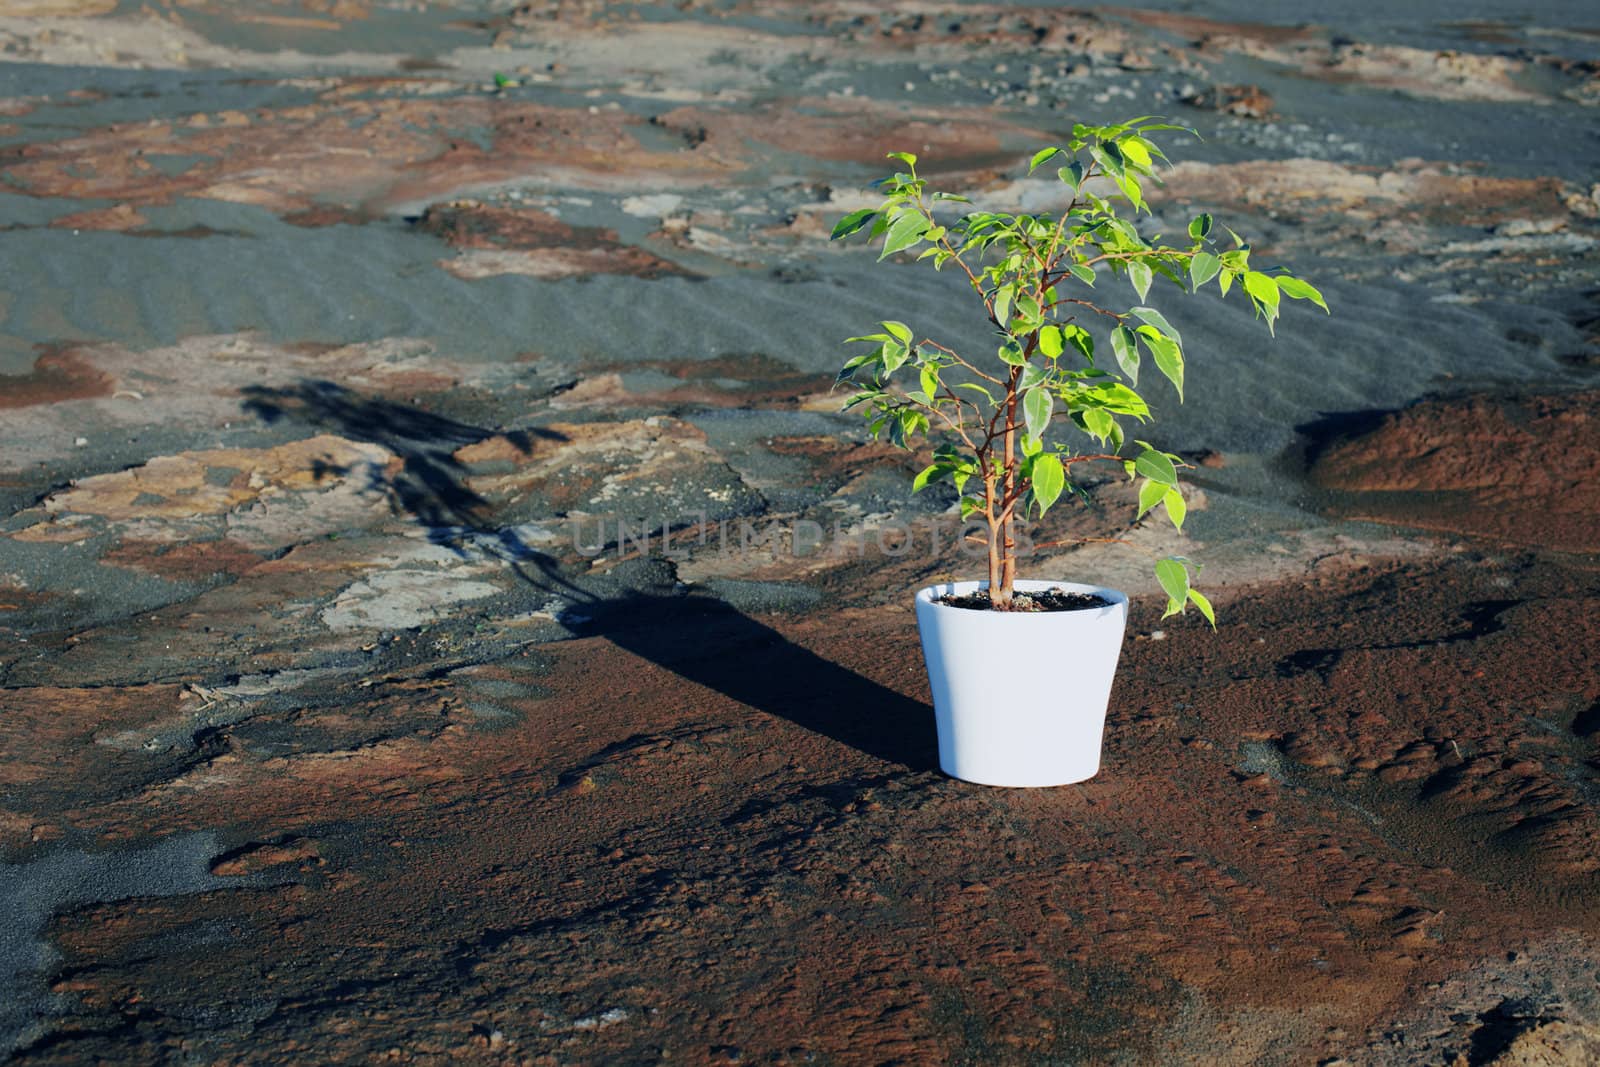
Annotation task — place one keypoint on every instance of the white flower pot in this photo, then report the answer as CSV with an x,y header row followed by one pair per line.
x,y
1020,697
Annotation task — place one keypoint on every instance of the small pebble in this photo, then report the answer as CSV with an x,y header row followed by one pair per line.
x,y
1158,635
81,442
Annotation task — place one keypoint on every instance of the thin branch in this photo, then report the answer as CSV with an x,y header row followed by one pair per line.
x,y
1086,541
953,355
1102,257
1091,306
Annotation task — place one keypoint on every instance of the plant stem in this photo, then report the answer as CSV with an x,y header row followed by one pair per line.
x,y
1000,595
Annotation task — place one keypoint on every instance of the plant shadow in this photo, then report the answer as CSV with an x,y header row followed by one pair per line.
x,y
696,635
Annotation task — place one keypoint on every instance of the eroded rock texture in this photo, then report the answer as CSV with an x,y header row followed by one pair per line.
x,y
444,616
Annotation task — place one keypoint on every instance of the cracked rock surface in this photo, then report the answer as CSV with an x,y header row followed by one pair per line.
x,y
444,616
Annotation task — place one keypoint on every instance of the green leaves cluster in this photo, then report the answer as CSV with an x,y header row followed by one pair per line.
x,y
1066,362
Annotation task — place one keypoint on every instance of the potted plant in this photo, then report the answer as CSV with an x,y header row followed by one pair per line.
x,y
1021,670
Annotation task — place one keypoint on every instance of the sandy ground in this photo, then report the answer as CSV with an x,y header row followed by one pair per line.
x,y
354,354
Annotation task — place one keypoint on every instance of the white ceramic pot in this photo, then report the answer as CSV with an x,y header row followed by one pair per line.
x,y
1020,697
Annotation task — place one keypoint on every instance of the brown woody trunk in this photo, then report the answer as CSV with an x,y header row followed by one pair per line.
x,y
1002,538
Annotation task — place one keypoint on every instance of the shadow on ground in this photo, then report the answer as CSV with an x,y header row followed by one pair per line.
x,y
696,635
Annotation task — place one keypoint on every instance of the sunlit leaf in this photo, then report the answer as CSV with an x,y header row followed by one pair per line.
x,y
1036,407
894,356
1296,289
1174,579
904,232
1177,507
1156,467
1002,304
1156,319
1151,493
1202,268
852,223
1135,151
1126,349
1139,275
1167,354
1263,288
1096,421
1049,478
1081,339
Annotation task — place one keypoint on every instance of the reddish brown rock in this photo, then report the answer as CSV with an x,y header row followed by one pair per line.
x,y
58,374
1522,470
501,240
118,218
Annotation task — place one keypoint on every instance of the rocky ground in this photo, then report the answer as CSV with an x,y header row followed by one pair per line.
x,y
354,707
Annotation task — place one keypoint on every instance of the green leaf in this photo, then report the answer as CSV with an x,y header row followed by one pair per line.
x,y
1113,396
1027,308
1202,268
1050,341
1177,507
1071,176
1174,579
852,222
1126,350
1131,189
894,356
932,473
1156,319
1264,289
975,387
1225,282
1139,275
1081,339
1049,478
1036,407
1109,158
1205,607
1082,273
1041,156
1134,150
1151,493
1296,289
1002,304
1200,227
930,379
898,330
1011,353
1156,466
1031,376
1096,421
1167,353
904,232
905,157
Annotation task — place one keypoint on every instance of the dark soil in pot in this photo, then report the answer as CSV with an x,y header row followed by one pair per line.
x,y
1043,600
